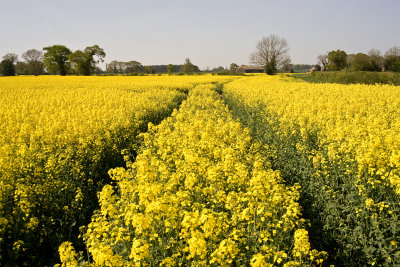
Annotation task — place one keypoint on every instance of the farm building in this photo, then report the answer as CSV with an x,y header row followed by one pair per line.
x,y
250,69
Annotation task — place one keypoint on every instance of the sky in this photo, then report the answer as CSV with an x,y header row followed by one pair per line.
x,y
210,33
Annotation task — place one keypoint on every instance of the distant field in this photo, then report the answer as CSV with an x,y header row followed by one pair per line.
x,y
198,170
347,77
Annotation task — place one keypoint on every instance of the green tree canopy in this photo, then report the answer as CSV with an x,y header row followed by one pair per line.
x,y
84,62
170,68
271,68
7,68
7,65
133,66
188,67
149,70
361,62
21,68
337,60
120,67
218,69
376,59
56,59
233,67
317,67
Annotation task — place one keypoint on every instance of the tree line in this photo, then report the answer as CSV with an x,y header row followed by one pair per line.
x,y
135,67
57,59
272,53
374,60
60,60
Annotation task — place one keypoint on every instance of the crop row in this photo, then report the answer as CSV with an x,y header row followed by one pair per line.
x,y
340,143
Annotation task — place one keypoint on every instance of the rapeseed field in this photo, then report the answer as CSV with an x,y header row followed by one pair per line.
x,y
198,171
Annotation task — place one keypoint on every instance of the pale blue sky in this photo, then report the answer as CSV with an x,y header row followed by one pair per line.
x,y
211,33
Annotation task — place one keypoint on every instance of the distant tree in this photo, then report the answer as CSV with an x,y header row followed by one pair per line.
x,y
392,59
115,67
188,67
170,69
7,65
287,65
149,70
337,60
271,68
218,69
376,59
84,62
349,59
7,68
21,68
12,57
164,68
56,59
394,51
317,67
98,70
233,67
324,61
133,66
34,61
396,65
32,55
79,62
361,62
302,67
270,52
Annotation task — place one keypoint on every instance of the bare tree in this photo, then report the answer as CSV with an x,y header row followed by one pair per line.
x,y
271,51
394,51
13,58
33,55
392,59
287,64
376,59
323,60
34,61
116,67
